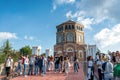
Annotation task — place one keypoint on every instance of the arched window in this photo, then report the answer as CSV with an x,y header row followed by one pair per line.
x,y
60,38
79,27
70,49
69,26
80,38
70,37
72,26
80,53
66,27
61,28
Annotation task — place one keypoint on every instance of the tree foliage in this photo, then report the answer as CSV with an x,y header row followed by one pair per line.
x,y
7,47
44,54
26,50
7,50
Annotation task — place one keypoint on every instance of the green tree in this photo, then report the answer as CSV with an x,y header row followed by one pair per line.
x,y
7,47
26,50
98,51
44,54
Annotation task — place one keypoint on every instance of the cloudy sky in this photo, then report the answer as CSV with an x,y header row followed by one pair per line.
x,y
33,22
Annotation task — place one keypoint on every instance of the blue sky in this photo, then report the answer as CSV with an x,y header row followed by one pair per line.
x,y
33,22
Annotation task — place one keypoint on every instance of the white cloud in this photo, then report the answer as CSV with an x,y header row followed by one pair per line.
x,y
60,2
80,16
96,11
28,37
87,22
7,35
100,9
69,14
76,14
108,37
64,1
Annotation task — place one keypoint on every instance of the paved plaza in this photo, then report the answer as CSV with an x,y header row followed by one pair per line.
x,y
56,76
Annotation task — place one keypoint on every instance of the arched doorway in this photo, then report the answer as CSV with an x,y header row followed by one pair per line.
x,y
80,55
70,53
59,53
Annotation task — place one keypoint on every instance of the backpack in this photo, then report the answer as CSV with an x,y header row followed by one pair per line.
x,y
103,65
23,60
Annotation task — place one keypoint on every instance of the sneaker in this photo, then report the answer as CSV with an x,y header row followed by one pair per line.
x,y
20,73
60,72
44,75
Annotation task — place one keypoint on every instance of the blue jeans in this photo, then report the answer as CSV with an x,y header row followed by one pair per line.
x,y
56,67
25,69
108,79
108,76
44,69
36,69
75,67
30,69
19,67
40,69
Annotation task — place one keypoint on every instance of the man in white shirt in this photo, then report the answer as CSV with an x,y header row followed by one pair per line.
x,y
26,63
8,64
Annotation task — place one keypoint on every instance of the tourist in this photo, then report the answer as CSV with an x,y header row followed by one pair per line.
x,y
44,65
26,63
19,67
96,57
12,64
48,63
31,65
99,66
117,66
108,72
76,65
61,64
8,66
103,57
36,65
90,72
113,57
51,65
117,57
40,64
57,63
67,66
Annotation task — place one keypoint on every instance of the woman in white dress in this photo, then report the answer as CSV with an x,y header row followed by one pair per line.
x,y
67,66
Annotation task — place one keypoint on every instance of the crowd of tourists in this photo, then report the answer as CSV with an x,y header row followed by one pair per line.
x,y
39,65
106,65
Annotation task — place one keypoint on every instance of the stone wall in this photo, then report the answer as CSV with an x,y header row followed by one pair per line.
x,y
2,69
